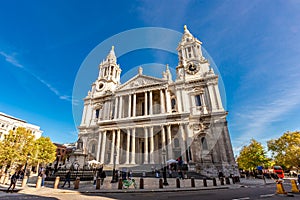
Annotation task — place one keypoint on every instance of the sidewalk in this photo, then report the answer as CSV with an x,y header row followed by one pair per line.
x,y
150,185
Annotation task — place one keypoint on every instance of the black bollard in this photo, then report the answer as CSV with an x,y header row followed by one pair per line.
x,y
192,182
214,182
177,182
141,183
227,180
160,183
222,180
120,184
233,180
204,182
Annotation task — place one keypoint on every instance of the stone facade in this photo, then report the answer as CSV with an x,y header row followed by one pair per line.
x,y
147,120
8,123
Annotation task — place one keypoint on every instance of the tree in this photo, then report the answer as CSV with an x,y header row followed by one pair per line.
x,y
286,149
15,147
252,156
44,151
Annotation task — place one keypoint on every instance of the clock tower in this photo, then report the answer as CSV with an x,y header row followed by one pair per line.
x,y
191,64
109,75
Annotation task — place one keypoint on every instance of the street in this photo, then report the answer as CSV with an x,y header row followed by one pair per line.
x,y
248,192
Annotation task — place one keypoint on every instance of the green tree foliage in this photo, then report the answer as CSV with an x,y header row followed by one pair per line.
x,y
252,156
16,146
286,149
44,151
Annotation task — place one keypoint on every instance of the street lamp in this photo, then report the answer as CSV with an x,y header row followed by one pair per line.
x,y
113,179
165,167
28,156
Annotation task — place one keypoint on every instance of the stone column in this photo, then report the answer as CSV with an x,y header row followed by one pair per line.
x,y
162,102
99,145
84,115
203,103
212,97
129,105
163,137
182,142
169,142
146,103
146,146
134,105
151,145
121,107
118,146
127,146
116,108
150,103
112,147
218,97
103,147
186,100
179,100
188,139
114,74
168,101
109,69
133,147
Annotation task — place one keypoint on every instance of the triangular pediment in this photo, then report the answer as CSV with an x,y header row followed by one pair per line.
x,y
140,81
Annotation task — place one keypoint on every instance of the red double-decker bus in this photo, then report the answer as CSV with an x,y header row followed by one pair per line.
x,y
279,171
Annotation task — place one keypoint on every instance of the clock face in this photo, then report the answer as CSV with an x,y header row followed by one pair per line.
x,y
192,68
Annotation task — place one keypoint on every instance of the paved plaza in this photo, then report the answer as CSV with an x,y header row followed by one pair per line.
x,y
150,185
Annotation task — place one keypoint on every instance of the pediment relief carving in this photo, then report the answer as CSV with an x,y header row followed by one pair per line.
x,y
140,81
98,105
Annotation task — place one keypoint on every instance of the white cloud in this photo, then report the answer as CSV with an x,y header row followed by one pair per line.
x,y
12,60
254,120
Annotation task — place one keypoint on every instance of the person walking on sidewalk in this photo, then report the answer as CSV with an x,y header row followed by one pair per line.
x,y
102,176
43,175
67,178
13,181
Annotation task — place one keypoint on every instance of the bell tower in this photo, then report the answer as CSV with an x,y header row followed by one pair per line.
x,y
191,63
109,74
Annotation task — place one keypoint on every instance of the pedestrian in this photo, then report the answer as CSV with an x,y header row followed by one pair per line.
x,y
170,172
130,174
102,176
13,181
43,175
67,178
220,175
157,173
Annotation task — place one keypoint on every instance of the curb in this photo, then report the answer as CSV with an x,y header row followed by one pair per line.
x,y
153,190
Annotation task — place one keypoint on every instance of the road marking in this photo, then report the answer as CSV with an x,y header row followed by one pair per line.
x,y
244,198
266,195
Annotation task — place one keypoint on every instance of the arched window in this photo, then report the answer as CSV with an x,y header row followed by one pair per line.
x,y
79,144
176,142
204,143
111,70
198,100
97,113
173,103
93,148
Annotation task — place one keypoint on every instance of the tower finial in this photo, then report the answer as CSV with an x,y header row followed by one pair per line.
x,y
113,48
185,27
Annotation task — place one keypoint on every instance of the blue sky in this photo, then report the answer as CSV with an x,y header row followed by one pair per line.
x,y
255,45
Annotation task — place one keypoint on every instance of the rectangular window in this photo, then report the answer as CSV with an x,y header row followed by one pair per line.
x,y
97,113
198,100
